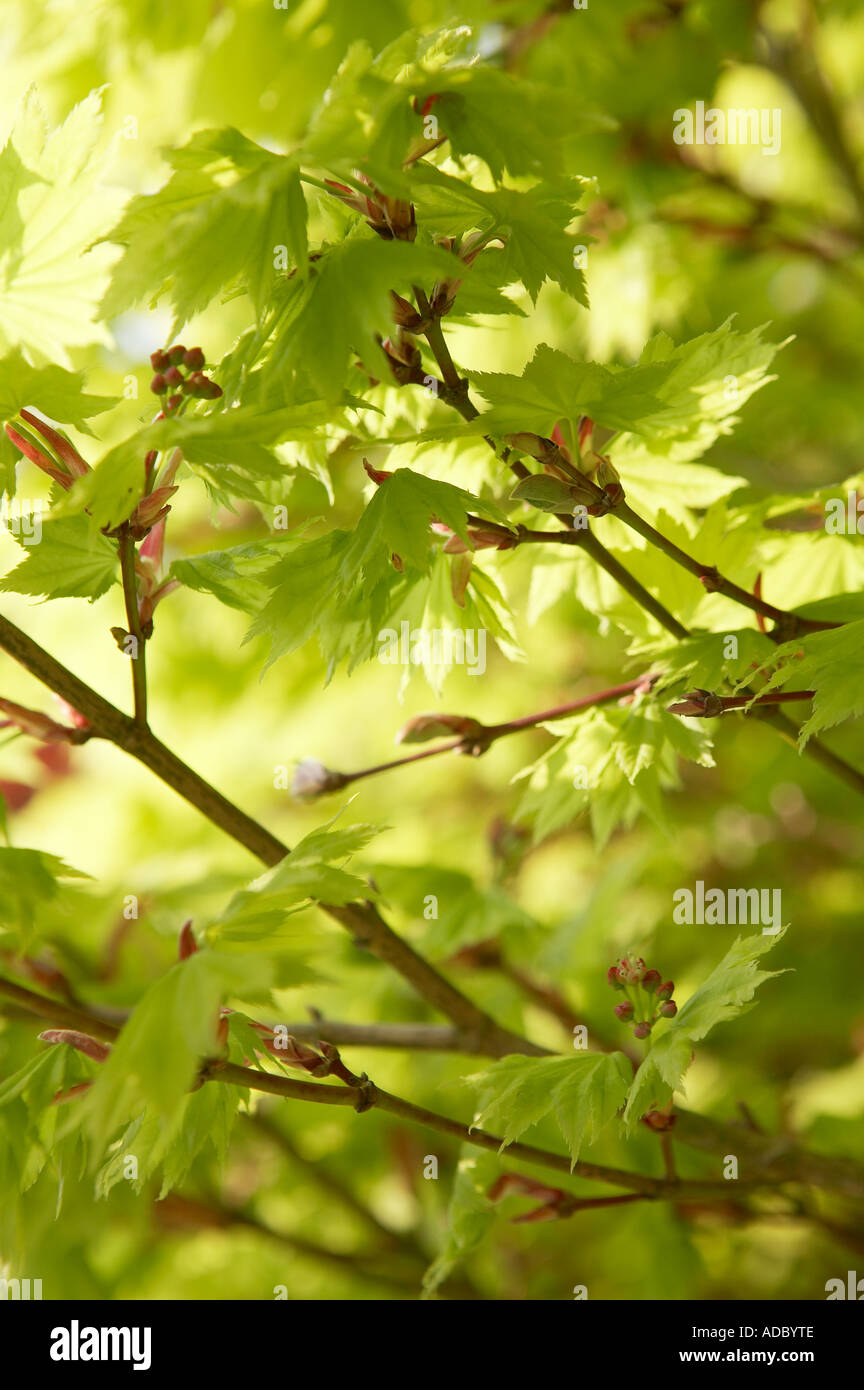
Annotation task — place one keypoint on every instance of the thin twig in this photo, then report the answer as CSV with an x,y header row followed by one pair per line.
x,y
361,919
789,624
483,735
360,1097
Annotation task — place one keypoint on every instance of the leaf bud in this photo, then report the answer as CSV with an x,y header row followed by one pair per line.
x,y
82,1042
187,945
312,779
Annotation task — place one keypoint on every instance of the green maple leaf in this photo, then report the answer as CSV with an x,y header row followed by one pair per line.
x,y
229,449
72,560
513,125
470,1215
53,209
702,661
33,891
156,1056
554,387
583,1092
397,519
56,393
302,586
532,225
704,384
613,762
344,304
306,873
364,119
367,118
832,666
467,912
236,577
220,220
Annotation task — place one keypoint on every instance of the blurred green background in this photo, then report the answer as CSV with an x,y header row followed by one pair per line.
x,y
680,239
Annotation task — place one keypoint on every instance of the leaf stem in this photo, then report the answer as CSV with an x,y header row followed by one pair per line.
x,y
126,551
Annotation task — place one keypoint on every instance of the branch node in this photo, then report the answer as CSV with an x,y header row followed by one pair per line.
x,y
366,1094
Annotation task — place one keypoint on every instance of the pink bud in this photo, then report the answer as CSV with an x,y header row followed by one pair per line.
x,y
16,794
288,1049
404,312
698,704
38,725
424,727
41,460
376,474
62,447
151,509
73,715
147,605
187,945
558,438
60,1097
54,757
480,540
533,444
151,546
509,1183
82,1042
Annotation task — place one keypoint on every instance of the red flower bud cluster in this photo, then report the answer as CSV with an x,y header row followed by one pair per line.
x,y
649,998
167,365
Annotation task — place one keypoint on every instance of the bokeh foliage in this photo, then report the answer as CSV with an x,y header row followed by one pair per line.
x,y
717,257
